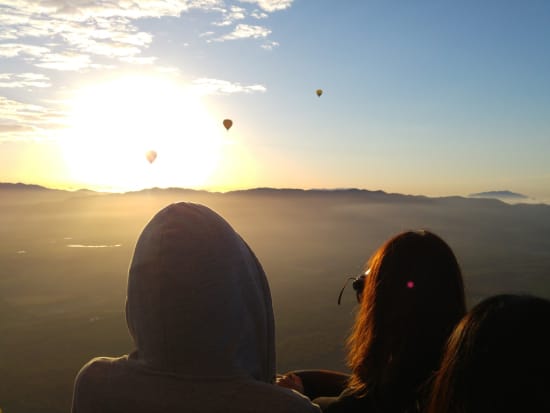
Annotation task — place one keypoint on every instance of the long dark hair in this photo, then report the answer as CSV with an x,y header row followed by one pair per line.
x,y
412,299
497,359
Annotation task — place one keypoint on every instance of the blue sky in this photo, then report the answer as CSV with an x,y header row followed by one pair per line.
x,y
420,97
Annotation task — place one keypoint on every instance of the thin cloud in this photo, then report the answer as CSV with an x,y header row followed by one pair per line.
x,y
259,15
210,86
246,31
139,60
230,16
269,45
24,80
271,5
106,8
101,28
237,13
170,70
70,36
20,49
65,61
223,23
23,121
13,110
13,127
107,37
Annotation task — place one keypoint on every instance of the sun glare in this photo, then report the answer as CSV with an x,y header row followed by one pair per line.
x,y
115,126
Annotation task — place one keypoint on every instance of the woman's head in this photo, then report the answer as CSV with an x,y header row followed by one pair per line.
x,y
412,298
497,359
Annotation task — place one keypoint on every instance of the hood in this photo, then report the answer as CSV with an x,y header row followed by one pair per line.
x,y
198,300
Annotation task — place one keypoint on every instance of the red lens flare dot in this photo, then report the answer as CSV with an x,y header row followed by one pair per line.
x,y
410,284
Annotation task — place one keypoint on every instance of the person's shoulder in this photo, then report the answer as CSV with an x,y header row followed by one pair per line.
x,y
300,402
347,402
275,398
95,370
99,364
90,382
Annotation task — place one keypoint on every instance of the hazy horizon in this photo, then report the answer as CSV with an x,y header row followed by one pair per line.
x,y
512,198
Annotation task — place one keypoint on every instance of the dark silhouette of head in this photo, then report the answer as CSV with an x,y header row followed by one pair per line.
x,y
497,359
412,299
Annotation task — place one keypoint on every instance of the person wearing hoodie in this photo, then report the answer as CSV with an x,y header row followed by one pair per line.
x,y
200,314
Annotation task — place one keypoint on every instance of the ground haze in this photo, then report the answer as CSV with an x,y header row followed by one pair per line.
x,y
64,259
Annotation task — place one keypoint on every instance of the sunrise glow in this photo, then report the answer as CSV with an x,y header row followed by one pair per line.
x,y
114,124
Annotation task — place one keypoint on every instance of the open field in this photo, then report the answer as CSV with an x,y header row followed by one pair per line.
x,y
64,259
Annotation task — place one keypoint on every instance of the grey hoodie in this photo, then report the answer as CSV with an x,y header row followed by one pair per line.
x,y
199,311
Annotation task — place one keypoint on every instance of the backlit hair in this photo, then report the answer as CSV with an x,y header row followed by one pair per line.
x,y
412,299
497,359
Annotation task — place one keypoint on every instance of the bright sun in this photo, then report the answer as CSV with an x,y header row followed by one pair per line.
x,y
113,125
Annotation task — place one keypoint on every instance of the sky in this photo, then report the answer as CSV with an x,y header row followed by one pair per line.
x,y
419,97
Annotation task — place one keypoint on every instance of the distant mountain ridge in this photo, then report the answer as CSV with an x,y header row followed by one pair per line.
x,y
21,186
490,197
504,194
353,193
33,187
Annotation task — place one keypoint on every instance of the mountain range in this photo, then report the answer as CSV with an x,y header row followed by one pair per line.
x,y
377,195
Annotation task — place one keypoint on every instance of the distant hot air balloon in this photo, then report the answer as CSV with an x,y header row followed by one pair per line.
x,y
151,156
319,92
227,123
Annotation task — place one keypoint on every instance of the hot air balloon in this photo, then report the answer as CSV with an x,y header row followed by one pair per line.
x,y
227,123
319,92
151,156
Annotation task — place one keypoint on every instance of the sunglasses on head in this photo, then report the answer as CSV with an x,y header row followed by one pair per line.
x,y
358,284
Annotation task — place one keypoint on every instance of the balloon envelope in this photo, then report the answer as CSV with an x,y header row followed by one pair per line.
x,y
227,123
319,92
151,156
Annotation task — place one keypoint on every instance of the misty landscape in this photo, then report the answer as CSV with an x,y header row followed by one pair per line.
x,y
65,255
